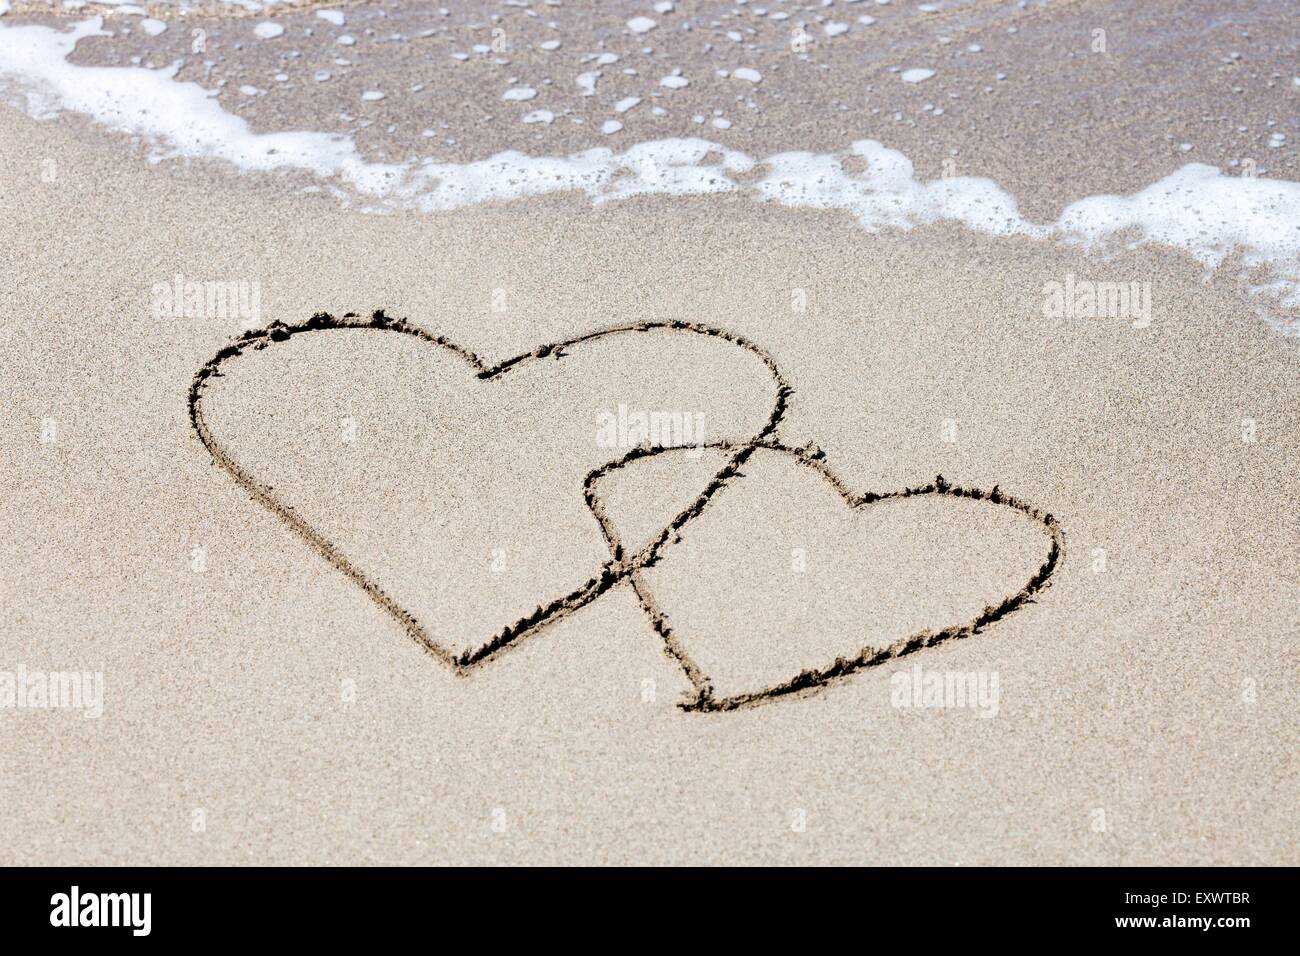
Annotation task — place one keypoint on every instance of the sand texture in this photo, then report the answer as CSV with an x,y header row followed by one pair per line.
x,y
377,591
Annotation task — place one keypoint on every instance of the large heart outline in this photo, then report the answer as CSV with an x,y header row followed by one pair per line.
x,y
613,571
808,681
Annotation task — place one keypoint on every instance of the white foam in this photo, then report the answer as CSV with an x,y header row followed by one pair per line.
x,y
1251,221
175,119
887,194
1211,215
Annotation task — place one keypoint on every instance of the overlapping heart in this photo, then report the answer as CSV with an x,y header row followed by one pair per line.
x,y
852,653
632,562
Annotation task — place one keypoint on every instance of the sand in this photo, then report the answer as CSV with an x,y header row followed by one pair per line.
x,y
262,706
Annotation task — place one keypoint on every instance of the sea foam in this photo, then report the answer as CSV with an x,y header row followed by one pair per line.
x,y
1252,221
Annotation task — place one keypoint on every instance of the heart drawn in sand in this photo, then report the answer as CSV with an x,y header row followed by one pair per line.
x,y
764,575
335,424
757,602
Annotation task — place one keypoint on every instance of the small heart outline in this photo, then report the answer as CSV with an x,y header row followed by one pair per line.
x,y
811,681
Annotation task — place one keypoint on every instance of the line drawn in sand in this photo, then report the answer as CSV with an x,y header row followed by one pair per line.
x,y
620,567
810,680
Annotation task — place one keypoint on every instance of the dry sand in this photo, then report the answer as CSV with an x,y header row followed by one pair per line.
x,y
260,707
